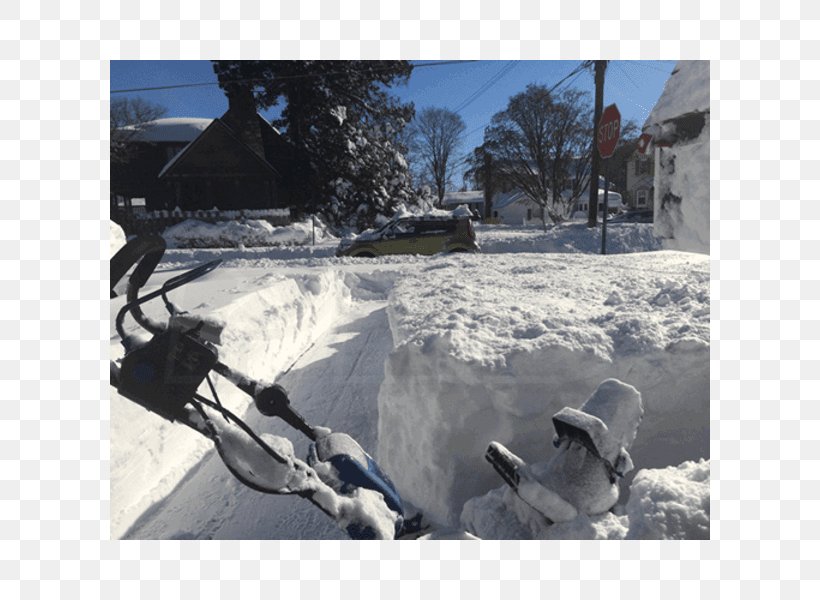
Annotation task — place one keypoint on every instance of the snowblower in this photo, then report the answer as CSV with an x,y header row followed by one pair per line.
x,y
163,374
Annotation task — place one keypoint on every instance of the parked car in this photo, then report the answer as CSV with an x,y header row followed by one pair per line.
x,y
413,235
634,216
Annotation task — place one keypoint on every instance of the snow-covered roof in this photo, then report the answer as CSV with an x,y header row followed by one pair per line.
x,y
686,91
508,198
469,197
177,129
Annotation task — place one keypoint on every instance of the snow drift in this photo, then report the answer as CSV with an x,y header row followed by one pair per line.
x,y
489,348
193,233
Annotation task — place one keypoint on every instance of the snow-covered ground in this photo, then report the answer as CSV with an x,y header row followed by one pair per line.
x,y
425,360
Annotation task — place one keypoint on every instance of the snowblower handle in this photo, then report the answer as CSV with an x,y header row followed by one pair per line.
x,y
149,248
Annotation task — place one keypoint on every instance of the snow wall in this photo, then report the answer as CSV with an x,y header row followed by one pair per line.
x,y
493,357
682,170
682,195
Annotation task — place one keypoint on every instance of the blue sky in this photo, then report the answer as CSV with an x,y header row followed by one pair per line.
x,y
634,86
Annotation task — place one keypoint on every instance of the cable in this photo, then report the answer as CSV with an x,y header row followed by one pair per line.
x,y
257,79
486,86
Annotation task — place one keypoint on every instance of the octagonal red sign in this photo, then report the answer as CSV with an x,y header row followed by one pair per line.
x,y
609,130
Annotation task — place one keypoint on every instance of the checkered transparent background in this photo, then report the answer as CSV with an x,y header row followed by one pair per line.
x,y
54,496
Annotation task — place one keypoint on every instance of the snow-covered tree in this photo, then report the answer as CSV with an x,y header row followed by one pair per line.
x,y
343,125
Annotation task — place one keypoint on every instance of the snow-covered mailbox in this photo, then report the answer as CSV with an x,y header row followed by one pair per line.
x,y
679,130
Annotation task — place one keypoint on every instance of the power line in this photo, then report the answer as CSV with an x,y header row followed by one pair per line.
x,y
486,86
574,74
259,80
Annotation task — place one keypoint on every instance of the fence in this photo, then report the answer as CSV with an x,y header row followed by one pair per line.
x,y
140,223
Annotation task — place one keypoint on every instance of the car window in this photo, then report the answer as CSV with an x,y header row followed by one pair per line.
x,y
404,228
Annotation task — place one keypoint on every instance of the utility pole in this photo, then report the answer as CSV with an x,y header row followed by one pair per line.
x,y
592,220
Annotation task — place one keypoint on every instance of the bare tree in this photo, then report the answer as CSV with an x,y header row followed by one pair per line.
x,y
542,145
437,134
129,116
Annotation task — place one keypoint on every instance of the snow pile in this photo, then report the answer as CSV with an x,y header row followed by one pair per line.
x,y
671,503
686,90
567,237
682,168
193,233
490,347
116,237
682,192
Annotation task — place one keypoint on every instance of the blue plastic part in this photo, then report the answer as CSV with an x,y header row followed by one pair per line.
x,y
353,474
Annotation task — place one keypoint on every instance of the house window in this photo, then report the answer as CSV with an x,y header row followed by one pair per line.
x,y
641,197
529,214
641,166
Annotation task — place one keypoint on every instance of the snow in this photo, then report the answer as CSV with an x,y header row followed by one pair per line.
x,y
176,129
686,90
671,503
567,237
509,340
424,361
193,233
116,237
682,171
682,185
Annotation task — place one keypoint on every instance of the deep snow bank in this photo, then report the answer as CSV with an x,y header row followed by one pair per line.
x,y
567,238
193,233
490,347
270,320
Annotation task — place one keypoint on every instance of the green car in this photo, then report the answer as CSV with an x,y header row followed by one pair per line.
x,y
413,235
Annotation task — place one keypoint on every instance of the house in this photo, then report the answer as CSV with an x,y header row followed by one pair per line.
x,y
677,131
237,161
640,181
515,208
474,199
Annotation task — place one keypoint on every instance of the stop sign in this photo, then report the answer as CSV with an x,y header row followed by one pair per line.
x,y
609,130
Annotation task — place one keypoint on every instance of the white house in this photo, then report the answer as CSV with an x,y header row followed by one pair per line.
x,y
514,208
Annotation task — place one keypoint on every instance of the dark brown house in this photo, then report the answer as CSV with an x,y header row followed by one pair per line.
x,y
236,161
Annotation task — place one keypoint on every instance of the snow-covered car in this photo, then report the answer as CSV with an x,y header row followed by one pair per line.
x,y
413,235
634,216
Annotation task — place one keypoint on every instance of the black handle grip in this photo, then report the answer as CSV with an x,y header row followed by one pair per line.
x,y
148,248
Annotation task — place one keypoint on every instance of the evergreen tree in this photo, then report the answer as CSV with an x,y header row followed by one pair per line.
x,y
345,130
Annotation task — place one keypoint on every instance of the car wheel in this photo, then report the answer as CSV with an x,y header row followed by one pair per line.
x,y
459,250
365,255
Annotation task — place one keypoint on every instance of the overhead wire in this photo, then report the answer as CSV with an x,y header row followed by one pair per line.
x,y
287,77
